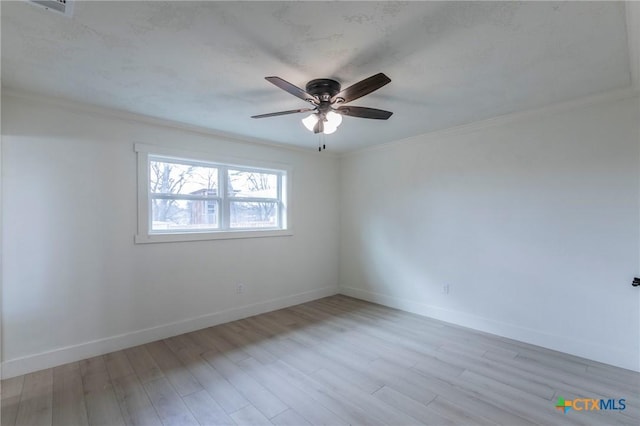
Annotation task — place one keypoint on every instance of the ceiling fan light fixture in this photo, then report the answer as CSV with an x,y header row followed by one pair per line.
x,y
310,121
323,93
331,122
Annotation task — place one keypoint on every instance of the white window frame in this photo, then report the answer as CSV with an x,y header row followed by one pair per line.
x,y
145,233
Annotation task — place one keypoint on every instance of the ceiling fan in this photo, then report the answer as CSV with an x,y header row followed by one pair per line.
x,y
328,101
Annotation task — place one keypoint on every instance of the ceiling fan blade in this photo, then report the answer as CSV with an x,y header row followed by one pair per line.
x,y
361,88
363,112
294,90
275,114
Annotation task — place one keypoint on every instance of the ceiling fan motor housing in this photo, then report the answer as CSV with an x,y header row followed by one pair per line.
x,y
323,88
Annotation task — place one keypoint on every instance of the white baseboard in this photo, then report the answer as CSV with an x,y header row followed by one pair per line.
x,y
31,363
589,350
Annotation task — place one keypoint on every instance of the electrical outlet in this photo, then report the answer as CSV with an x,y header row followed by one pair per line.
x,y
445,289
239,288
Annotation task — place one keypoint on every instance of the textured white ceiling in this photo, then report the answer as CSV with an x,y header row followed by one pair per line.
x,y
204,63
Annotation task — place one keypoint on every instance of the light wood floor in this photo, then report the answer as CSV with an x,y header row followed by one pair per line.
x,y
334,361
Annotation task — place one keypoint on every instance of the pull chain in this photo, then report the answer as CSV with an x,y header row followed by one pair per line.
x,y
322,142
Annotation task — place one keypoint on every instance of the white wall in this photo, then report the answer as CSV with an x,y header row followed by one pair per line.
x,y
533,223
75,284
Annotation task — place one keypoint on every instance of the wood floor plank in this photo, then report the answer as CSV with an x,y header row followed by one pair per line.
x,y
304,358
135,405
399,337
92,365
292,352
181,379
325,397
267,326
422,413
549,360
118,364
498,370
100,398
366,317
415,385
621,379
578,380
36,401
201,338
250,416
375,407
367,383
520,403
210,379
183,342
438,367
459,414
345,352
289,418
143,364
206,410
232,351
396,377
270,329
602,371
69,407
11,391
446,364
325,336
250,342
383,347
284,317
260,397
295,397
168,404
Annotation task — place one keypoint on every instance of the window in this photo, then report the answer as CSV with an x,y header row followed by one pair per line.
x,y
184,197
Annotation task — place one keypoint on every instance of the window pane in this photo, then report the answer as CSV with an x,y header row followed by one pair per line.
x,y
252,184
166,177
253,214
184,215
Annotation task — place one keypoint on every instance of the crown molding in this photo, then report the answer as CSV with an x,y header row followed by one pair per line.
x,y
75,106
632,13
609,96
149,120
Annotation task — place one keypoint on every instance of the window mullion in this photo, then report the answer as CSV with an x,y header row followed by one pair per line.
x,y
224,186
144,157
162,196
279,203
253,199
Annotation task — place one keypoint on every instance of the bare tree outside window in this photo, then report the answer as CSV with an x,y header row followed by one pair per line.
x,y
183,195
255,199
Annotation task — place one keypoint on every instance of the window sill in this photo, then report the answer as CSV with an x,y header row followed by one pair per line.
x,y
205,236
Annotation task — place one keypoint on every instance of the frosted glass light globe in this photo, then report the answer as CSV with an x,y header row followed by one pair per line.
x,y
334,119
328,129
310,122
